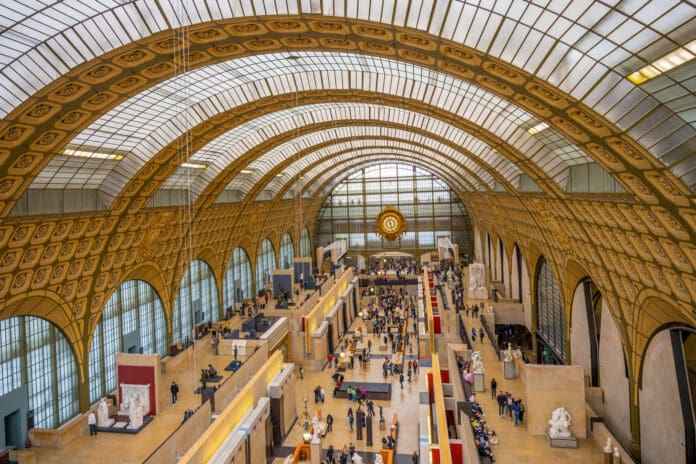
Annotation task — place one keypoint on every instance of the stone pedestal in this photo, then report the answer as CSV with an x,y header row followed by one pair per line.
x,y
315,451
479,383
570,442
479,293
509,369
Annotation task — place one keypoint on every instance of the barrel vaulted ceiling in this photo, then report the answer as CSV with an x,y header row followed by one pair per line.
x,y
259,87
246,104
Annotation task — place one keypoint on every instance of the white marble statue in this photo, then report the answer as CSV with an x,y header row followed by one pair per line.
x,y
135,413
315,427
476,275
140,392
378,459
135,403
560,423
288,459
477,365
607,446
103,414
357,459
477,282
616,457
507,354
517,354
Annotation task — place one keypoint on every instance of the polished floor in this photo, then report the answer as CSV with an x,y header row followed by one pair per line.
x,y
516,445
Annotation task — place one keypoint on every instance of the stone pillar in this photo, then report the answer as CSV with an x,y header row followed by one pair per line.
x,y
315,450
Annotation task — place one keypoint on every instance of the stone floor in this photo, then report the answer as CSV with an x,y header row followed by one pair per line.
x,y
124,448
516,446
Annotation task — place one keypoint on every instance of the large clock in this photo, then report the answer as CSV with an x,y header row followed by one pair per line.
x,y
390,224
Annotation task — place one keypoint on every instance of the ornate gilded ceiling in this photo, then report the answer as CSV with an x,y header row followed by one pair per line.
x,y
299,94
103,107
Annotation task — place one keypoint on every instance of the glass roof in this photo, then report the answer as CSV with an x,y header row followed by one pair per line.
x,y
583,47
149,121
367,112
329,169
390,169
340,155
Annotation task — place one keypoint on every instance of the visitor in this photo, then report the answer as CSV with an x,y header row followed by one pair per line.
x,y
301,369
92,422
329,423
501,403
473,335
351,418
494,387
212,372
516,412
174,389
481,334
401,380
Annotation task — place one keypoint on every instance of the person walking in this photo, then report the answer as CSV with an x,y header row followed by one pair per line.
x,y
92,422
401,380
494,387
473,335
481,334
501,403
516,412
351,418
174,389
329,423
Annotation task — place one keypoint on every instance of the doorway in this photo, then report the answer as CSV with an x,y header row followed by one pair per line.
x,y
13,427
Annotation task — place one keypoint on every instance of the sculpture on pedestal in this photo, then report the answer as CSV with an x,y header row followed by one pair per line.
x,y
477,282
560,423
135,403
357,459
508,353
607,446
103,414
378,459
477,365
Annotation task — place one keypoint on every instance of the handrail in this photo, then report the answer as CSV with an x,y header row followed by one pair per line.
x,y
491,337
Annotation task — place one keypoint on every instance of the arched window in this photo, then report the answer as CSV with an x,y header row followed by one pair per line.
x,y
132,321
35,353
265,263
287,252
550,313
238,281
305,244
431,208
196,301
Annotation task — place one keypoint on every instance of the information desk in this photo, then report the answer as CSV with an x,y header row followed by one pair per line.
x,y
373,391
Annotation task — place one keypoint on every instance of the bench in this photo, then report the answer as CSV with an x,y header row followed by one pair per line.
x,y
373,391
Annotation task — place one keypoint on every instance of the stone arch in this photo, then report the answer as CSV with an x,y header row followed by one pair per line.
x,y
666,411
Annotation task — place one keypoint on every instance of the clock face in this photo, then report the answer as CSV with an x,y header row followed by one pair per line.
x,y
390,224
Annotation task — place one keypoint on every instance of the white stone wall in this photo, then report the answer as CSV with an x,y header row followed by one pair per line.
x,y
661,420
613,380
580,333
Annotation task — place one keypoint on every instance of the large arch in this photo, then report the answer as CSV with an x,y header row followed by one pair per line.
x,y
112,73
667,423
196,301
132,321
39,370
